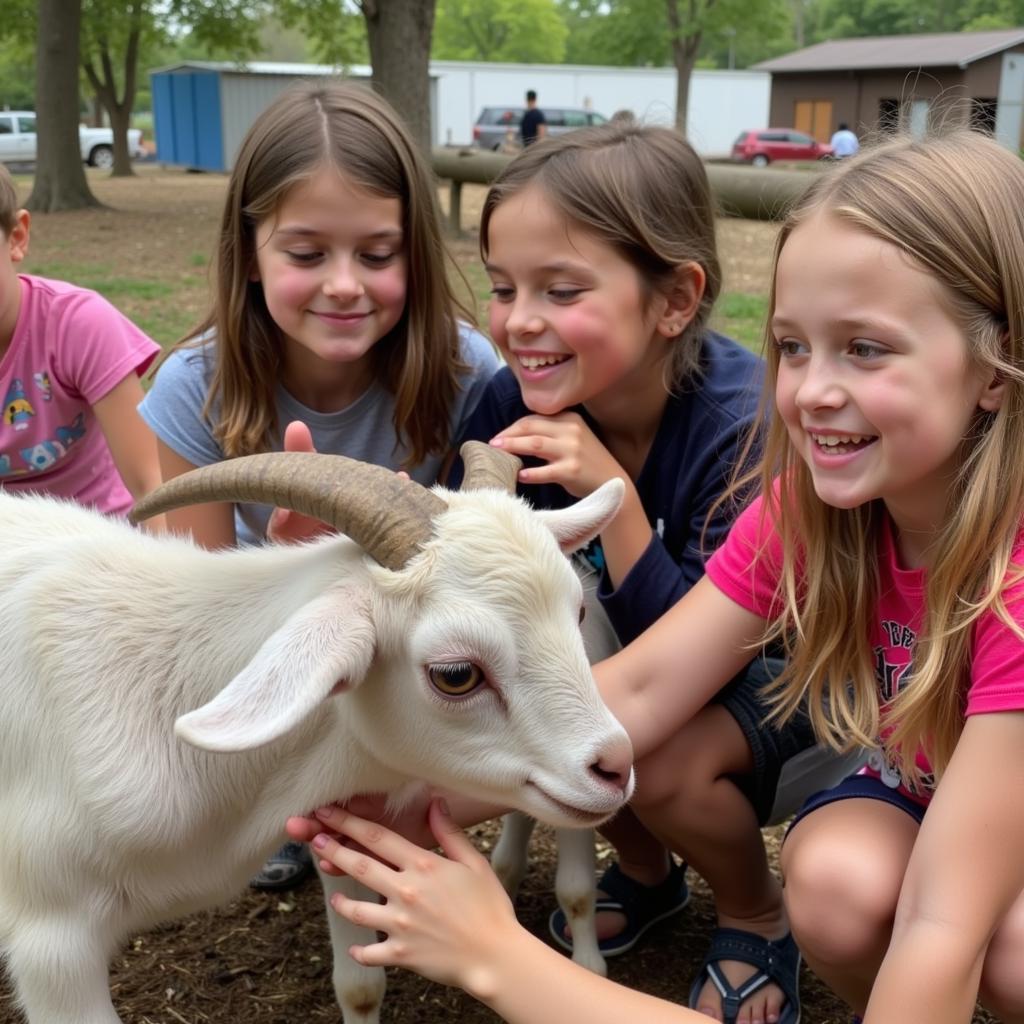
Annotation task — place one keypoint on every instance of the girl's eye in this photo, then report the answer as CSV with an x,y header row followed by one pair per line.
x,y
501,293
378,259
865,350
456,680
303,257
565,294
788,347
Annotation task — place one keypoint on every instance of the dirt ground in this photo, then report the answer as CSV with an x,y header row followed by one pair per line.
x,y
264,958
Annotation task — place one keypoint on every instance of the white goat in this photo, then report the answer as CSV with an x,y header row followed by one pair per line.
x,y
294,676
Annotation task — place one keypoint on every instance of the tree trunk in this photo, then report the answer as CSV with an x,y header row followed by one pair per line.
x,y
685,44
60,177
118,110
399,33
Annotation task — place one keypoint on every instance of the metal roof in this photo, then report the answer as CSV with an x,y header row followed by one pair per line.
x,y
938,49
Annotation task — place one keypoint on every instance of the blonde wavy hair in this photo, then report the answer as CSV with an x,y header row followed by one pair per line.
x,y
350,128
954,205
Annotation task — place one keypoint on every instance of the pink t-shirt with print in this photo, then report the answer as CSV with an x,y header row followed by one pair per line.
x,y
69,349
997,661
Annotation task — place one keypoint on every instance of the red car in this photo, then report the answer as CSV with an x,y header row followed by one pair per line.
x,y
760,148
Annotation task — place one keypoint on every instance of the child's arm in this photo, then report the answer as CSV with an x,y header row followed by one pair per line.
x,y
131,442
210,526
666,675
965,872
450,920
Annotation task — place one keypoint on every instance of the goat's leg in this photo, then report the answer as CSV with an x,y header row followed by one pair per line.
x,y
59,972
359,990
509,858
574,889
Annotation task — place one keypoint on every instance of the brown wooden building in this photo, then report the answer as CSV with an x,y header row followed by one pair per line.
x,y
880,83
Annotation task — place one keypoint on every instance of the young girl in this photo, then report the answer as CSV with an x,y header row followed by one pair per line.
x,y
332,307
601,249
69,383
887,554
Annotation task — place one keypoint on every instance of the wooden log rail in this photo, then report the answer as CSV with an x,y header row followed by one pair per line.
x,y
759,193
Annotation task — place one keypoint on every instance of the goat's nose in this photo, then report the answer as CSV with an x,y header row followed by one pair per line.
x,y
614,763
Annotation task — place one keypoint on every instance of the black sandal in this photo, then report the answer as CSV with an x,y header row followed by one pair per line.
x,y
776,961
643,906
288,868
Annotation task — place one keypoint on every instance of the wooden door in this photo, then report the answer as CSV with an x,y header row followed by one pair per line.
x,y
814,117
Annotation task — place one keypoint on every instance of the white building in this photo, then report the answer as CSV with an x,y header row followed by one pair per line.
x,y
202,109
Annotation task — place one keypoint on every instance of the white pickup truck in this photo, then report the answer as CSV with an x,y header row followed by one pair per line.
x,y
18,140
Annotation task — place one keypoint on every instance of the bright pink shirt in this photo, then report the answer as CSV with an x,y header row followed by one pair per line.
x,y
997,663
69,349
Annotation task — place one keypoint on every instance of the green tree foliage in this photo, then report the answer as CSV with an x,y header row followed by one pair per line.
x,y
17,74
522,31
838,19
636,33
335,29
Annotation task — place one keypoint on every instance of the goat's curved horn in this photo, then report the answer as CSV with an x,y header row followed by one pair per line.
x,y
388,517
489,467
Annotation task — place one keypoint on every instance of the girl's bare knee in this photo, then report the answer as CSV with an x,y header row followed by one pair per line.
x,y
840,907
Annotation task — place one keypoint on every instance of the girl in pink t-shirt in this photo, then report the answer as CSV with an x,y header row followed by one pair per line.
x,y
69,383
887,555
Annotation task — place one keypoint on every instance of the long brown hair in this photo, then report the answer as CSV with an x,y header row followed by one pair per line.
x,y
955,206
640,189
350,128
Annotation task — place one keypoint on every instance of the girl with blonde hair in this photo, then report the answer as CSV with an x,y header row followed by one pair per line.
x,y
886,554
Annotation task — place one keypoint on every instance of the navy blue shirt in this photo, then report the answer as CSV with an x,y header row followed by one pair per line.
x,y
691,462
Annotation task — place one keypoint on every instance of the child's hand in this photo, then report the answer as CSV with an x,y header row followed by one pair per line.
x,y
447,919
287,526
410,822
575,458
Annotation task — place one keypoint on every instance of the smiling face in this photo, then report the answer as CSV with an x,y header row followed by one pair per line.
x,y
334,273
874,384
570,314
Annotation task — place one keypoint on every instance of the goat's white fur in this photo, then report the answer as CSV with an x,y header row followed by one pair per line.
x,y
292,676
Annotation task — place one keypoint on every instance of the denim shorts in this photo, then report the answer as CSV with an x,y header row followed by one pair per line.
x,y
861,787
771,744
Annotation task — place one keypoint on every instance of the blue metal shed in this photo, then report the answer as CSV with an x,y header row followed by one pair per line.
x,y
202,110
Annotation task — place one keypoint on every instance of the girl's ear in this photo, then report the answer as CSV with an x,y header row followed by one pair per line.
x,y
991,398
682,301
17,237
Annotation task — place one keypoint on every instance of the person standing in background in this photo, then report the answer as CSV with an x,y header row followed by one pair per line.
x,y
844,142
533,125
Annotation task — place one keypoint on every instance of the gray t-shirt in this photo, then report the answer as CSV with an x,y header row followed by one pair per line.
x,y
364,430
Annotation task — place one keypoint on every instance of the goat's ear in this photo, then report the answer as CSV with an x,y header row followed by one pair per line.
x,y
325,647
576,526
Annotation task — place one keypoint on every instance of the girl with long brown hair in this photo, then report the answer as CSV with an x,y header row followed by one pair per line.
x,y
332,307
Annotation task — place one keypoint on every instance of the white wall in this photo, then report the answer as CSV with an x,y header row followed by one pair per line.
x,y
721,103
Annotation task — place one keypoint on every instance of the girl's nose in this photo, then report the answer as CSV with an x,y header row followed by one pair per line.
x,y
523,321
820,387
342,281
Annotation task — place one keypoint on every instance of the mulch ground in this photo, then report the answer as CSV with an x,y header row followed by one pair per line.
x,y
265,958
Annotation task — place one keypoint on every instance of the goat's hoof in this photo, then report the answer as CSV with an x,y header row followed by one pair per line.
x,y
592,961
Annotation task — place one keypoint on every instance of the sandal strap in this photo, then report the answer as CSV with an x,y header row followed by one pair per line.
x,y
776,962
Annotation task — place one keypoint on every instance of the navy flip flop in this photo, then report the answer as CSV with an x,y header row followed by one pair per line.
x,y
642,905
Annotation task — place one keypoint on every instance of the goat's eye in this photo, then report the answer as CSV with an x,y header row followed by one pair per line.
x,y
583,613
455,680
